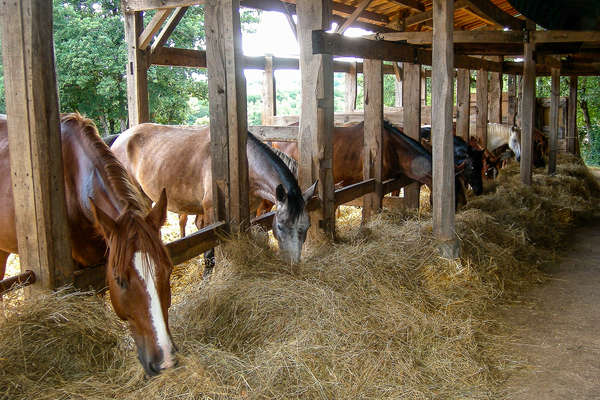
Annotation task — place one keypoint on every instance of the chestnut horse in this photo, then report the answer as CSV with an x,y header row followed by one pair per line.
x,y
109,222
178,158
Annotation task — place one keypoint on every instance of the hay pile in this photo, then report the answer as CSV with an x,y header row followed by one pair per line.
x,y
376,315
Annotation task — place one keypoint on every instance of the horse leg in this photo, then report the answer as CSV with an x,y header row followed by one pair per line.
x,y
182,223
209,255
3,258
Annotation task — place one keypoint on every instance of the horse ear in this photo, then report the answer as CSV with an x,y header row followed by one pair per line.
x,y
158,215
280,193
104,222
310,192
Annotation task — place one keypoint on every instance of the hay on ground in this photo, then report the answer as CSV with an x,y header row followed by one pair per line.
x,y
376,315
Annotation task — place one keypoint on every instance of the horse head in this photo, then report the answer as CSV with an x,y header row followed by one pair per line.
x,y
514,141
138,273
292,221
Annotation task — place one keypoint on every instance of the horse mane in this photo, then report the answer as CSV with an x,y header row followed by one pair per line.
x,y
287,160
418,147
288,179
118,178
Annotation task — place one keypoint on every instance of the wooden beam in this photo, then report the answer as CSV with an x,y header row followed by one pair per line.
x,y
343,46
554,105
130,6
373,136
527,114
350,88
168,29
354,191
153,26
495,14
18,281
414,4
359,9
315,139
275,133
459,37
512,99
186,248
495,95
572,113
428,15
269,97
397,85
463,103
34,138
411,101
565,36
137,71
441,124
482,106
290,19
175,57
228,115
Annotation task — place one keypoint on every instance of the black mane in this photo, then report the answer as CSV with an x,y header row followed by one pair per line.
x,y
412,142
290,183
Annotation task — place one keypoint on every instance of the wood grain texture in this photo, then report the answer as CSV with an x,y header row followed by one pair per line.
x,y
350,89
269,95
142,5
512,98
411,100
495,95
35,143
554,105
572,128
463,103
137,71
168,29
482,106
527,115
153,26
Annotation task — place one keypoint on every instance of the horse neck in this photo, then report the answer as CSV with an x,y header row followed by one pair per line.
x,y
263,174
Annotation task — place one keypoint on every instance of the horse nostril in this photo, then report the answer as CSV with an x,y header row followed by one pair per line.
x,y
155,368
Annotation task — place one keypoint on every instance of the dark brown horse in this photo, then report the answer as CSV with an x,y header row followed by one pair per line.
x,y
178,158
107,215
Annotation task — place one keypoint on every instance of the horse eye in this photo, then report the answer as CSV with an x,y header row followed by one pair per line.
x,y
121,282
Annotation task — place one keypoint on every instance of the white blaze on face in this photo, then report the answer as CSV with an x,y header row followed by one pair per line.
x,y
145,268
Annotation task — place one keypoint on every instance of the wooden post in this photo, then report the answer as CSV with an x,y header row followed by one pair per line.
x,y
554,103
482,106
441,135
373,135
572,128
495,95
411,101
137,70
512,99
35,143
527,107
315,139
463,95
269,92
350,89
397,85
228,114
423,80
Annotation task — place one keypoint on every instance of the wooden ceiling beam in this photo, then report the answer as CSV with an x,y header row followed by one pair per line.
x,y
488,10
153,26
414,4
168,29
427,16
143,5
353,17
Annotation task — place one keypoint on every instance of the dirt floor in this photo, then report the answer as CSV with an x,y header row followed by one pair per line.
x,y
557,328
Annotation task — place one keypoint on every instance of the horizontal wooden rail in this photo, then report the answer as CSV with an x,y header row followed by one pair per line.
x,y
391,185
197,243
14,282
354,191
275,133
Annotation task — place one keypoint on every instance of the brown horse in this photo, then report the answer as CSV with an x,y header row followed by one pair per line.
x,y
108,215
178,158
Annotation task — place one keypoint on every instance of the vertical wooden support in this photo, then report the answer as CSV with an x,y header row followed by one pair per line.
x,y
527,107
512,99
482,106
228,114
554,104
35,142
423,80
397,85
137,70
441,135
495,94
350,89
373,135
463,95
269,92
315,140
572,128
411,101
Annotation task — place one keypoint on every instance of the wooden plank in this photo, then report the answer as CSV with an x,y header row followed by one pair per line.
x,y
482,106
290,19
315,139
350,20
463,103
414,4
275,133
495,14
172,56
554,105
397,85
572,113
153,26
168,29
565,36
391,185
343,46
426,37
350,87
228,115
143,5
34,138
495,95
193,245
354,191
18,281
512,99
527,115
269,97
411,100
441,133
137,71
373,136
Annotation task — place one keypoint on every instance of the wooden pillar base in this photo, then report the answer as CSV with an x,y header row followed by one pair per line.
x,y
449,249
